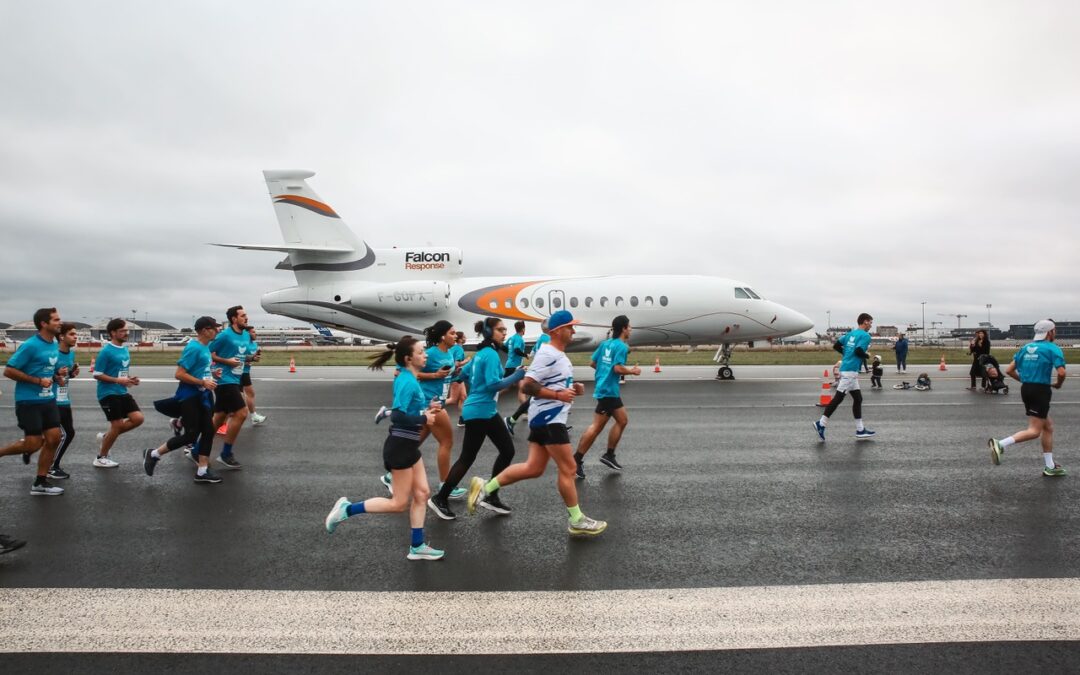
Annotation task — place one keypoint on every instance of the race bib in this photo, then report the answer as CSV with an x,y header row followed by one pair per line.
x,y
62,394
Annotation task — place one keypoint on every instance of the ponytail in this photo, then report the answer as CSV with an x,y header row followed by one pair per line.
x,y
399,350
435,333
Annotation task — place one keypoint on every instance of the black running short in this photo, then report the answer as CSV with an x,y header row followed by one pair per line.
x,y
551,434
400,453
1036,398
245,380
118,406
608,405
37,418
228,398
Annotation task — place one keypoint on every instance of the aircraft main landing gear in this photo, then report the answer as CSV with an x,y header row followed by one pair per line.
x,y
723,357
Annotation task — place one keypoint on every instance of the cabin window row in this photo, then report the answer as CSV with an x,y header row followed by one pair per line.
x,y
588,301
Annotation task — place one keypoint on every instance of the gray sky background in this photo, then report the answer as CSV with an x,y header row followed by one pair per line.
x,y
841,156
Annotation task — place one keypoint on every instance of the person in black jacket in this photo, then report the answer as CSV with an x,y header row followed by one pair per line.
x,y
978,346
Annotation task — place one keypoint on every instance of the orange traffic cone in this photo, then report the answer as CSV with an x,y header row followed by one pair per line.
x,y
223,429
292,364
826,390
656,368
941,366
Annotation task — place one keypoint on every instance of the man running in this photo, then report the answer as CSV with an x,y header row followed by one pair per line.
x,y
254,354
515,353
68,339
232,349
609,362
853,346
549,382
113,380
33,368
195,395
1035,365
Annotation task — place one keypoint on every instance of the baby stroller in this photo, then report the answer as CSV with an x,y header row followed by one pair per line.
x,y
922,383
995,378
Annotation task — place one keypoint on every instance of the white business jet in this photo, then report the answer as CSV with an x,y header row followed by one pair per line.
x,y
386,293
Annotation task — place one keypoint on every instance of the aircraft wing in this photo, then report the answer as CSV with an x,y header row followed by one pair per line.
x,y
284,248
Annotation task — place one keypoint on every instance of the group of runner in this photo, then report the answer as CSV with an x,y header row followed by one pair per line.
x,y
549,389
213,370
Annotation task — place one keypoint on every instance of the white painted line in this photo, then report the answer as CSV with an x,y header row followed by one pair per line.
x,y
136,620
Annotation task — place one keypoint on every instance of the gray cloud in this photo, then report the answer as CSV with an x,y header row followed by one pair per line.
x,y
838,156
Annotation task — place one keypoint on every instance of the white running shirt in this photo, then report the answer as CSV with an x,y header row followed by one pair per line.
x,y
552,369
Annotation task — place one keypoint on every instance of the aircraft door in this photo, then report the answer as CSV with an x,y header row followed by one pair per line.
x,y
556,301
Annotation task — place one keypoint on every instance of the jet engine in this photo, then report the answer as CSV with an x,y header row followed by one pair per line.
x,y
403,297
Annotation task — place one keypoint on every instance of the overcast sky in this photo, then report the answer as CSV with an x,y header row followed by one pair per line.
x,y
843,156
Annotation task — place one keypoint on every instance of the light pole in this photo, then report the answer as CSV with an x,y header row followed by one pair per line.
x,y
924,321
988,324
828,321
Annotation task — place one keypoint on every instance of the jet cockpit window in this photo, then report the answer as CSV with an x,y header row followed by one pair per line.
x,y
753,294
741,294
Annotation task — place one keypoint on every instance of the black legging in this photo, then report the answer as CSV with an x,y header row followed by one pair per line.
x,y
977,371
475,433
67,433
198,423
856,404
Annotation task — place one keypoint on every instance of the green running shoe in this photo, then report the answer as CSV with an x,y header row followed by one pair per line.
x,y
476,491
1055,471
996,451
424,552
587,526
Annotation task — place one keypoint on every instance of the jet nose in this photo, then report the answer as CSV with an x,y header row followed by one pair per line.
x,y
790,322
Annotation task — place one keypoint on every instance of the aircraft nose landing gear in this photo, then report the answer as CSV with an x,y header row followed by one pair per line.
x,y
723,357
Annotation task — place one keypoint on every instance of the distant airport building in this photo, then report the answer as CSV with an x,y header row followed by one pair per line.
x,y
888,331
136,333
1067,331
154,330
24,329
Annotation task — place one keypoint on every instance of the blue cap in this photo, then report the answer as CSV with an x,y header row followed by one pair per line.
x,y
561,318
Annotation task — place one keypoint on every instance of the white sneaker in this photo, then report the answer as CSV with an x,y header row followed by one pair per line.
x,y
46,490
257,419
337,514
105,463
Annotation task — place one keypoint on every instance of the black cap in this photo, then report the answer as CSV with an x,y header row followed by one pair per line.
x,y
206,322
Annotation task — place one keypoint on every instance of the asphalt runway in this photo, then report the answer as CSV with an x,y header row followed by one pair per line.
x,y
727,497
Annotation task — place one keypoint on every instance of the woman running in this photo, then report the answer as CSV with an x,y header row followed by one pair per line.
x,y
457,388
401,451
482,420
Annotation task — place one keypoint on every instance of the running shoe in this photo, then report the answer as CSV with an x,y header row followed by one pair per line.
x,y
189,452
387,480
26,458
257,419
149,461
996,451
820,428
1056,470
579,472
424,552
864,434
382,414
105,463
493,503
45,489
208,477
8,544
461,422
177,426
230,462
337,514
58,473
476,491
587,526
222,429
608,460
441,508
457,494
510,422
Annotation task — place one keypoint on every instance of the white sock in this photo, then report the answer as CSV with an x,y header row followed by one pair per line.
x,y
201,471
154,453
823,421
859,425
1006,442
1048,460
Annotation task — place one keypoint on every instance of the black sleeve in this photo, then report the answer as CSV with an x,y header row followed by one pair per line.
x,y
400,419
838,346
861,353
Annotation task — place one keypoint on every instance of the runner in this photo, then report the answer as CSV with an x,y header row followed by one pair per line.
x,y
609,361
457,389
1034,366
196,399
232,349
524,407
548,381
254,356
401,451
68,339
515,353
33,368
853,346
113,380
482,418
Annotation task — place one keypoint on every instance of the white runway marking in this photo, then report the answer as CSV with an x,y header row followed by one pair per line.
x,y
136,620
